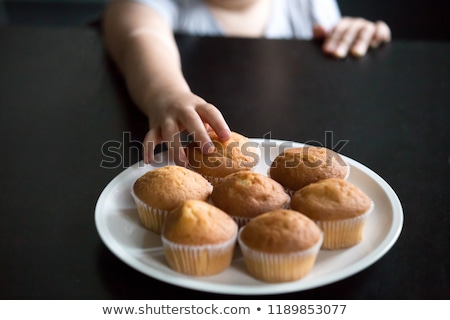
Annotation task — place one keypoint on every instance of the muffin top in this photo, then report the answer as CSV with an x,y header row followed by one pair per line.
x,y
196,222
236,154
331,199
280,231
298,167
167,187
248,194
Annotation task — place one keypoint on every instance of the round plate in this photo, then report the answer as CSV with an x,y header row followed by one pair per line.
x,y
119,227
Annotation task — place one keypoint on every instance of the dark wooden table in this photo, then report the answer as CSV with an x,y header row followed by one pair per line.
x,y
61,99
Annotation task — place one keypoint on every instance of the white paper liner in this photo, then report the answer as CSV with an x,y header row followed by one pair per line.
x,y
340,234
279,267
241,221
213,180
202,260
348,170
151,218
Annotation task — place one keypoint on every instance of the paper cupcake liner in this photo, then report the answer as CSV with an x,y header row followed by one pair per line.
x,y
213,180
282,267
203,260
152,218
340,234
241,221
348,170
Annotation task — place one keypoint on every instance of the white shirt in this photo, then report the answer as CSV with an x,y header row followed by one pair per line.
x,y
288,18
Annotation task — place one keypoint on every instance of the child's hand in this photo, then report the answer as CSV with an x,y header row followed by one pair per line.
x,y
173,113
354,35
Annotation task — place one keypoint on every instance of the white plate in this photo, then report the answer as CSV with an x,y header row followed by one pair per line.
x,y
119,227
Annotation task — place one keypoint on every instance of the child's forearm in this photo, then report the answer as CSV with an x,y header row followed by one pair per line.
x,y
145,51
143,46
151,69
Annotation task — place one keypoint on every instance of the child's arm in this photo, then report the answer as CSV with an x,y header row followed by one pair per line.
x,y
144,49
355,36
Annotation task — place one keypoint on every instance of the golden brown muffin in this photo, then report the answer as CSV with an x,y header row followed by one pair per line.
x,y
198,238
280,245
338,207
246,194
160,190
236,154
298,167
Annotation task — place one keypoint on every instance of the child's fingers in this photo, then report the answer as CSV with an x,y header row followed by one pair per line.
x,y
194,125
208,128
356,35
363,39
171,136
382,34
151,140
333,41
211,115
179,155
354,30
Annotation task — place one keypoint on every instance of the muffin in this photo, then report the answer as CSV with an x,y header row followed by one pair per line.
x,y
338,207
246,194
234,155
280,245
161,190
298,167
198,239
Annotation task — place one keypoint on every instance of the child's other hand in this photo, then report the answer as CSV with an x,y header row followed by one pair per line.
x,y
173,113
355,36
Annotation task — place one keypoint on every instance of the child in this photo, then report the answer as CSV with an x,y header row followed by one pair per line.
x,y
140,37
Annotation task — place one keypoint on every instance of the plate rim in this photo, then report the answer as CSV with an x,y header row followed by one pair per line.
x,y
190,283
